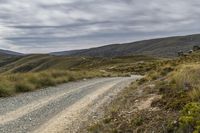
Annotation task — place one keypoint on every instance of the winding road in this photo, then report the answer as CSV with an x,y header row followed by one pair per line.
x,y
58,109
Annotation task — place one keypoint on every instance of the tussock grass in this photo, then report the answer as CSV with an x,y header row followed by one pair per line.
x,y
6,88
187,78
24,86
180,87
11,84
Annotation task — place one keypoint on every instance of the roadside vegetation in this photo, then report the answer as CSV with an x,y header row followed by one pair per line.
x,y
11,84
32,72
167,99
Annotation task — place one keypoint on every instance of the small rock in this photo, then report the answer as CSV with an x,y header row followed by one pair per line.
x,y
152,85
136,101
175,122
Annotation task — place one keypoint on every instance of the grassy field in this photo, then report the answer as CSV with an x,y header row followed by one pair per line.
x,y
177,84
32,72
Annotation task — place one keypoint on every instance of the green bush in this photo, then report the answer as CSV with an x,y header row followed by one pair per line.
x,y
190,118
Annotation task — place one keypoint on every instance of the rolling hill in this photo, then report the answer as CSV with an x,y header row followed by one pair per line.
x,y
7,53
42,62
165,47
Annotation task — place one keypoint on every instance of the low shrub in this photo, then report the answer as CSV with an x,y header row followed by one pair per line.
x,y
172,98
190,118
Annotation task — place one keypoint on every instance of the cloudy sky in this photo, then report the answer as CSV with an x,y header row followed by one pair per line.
x,y
52,25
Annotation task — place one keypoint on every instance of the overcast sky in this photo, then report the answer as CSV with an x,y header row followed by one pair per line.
x,y
55,25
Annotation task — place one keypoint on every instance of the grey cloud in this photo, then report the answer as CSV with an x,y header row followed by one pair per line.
x,y
43,25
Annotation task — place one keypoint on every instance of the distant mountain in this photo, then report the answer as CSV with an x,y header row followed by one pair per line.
x,y
72,52
165,47
8,53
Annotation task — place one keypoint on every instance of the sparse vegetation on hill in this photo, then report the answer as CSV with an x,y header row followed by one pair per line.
x,y
28,73
163,47
36,63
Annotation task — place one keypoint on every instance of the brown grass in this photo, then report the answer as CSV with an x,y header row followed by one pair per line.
x,y
11,84
187,78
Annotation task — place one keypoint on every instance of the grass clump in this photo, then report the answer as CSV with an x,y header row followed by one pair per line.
x,y
24,87
181,87
172,98
187,79
6,88
45,80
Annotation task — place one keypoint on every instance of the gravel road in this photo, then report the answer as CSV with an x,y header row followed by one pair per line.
x,y
58,109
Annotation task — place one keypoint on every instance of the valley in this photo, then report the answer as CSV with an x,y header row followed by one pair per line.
x,y
89,93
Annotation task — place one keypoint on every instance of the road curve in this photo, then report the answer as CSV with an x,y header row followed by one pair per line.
x,y
58,109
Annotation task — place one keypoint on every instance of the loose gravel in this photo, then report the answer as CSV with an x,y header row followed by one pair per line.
x,y
29,112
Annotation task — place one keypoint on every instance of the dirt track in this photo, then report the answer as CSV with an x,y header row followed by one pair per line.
x,y
58,109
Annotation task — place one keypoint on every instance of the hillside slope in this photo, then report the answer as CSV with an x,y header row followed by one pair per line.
x,y
9,53
30,72
165,47
41,62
